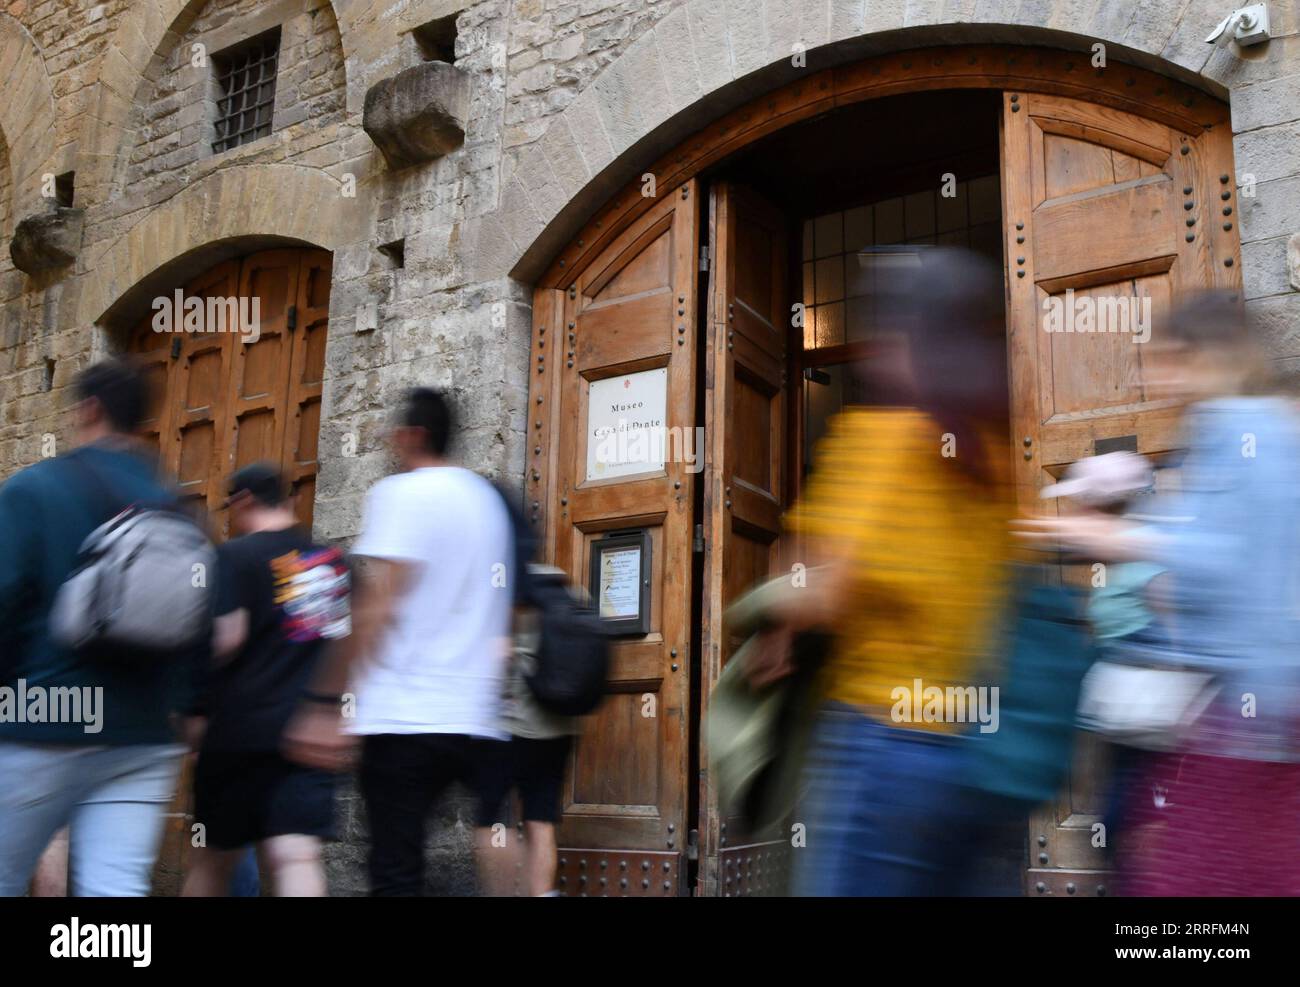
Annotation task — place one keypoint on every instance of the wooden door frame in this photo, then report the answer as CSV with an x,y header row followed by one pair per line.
x,y
1000,67
1005,68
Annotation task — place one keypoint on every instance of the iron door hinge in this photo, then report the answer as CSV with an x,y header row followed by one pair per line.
x,y
704,257
291,318
699,539
693,845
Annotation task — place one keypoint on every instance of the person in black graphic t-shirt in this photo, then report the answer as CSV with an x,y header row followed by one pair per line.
x,y
280,601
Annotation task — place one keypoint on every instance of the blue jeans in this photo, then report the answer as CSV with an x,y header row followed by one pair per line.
x,y
112,799
885,809
246,882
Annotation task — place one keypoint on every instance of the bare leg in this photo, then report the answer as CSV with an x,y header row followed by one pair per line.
x,y
294,865
540,857
209,872
51,877
498,860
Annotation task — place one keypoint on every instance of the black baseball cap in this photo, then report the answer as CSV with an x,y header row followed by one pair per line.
x,y
261,480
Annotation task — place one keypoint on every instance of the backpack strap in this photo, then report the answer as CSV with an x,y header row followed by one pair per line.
x,y
99,486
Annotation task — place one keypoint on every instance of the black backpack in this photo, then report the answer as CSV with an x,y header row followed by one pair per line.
x,y
572,659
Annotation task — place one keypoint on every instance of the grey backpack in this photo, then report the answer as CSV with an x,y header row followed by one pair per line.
x,y
139,590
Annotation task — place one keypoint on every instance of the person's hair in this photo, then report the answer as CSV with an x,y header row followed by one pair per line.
x,y
120,389
1218,320
427,409
952,305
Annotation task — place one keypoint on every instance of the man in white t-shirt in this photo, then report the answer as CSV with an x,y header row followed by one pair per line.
x,y
427,656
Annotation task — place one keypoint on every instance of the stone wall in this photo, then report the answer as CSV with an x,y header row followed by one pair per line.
x,y
568,99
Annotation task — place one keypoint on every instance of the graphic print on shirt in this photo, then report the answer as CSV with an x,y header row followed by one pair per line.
x,y
311,590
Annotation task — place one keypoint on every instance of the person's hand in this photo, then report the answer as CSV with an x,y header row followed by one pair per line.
x,y
315,738
770,659
1094,536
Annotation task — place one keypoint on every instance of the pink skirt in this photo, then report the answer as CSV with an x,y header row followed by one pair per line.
x,y
1212,826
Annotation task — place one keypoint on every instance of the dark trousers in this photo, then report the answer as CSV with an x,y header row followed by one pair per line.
x,y
401,778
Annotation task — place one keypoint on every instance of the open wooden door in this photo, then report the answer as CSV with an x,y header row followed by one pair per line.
x,y
1107,215
744,481
621,338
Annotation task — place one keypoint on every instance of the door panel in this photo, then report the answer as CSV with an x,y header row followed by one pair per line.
x,y
191,451
745,417
259,373
1120,213
631,309
308,335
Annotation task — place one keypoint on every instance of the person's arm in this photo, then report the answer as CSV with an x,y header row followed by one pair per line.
x,y
834,538
315,735
1095,536
226,636
229,634
378,586
381,577
20,529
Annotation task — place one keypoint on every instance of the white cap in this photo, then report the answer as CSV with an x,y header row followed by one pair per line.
x,y
1100,480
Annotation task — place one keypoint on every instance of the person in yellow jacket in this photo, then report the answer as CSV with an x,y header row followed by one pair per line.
x,y
906,517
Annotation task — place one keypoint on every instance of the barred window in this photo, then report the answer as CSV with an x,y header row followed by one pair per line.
x,y
245,90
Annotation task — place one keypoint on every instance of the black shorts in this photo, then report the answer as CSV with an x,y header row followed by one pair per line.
x,y
243,797
535,768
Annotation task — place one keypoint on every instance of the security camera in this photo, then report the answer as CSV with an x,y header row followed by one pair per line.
x,y
1245,25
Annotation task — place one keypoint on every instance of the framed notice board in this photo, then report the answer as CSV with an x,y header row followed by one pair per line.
x,y
620,581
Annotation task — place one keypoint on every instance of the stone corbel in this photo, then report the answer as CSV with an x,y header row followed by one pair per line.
x,y
419,114
47,241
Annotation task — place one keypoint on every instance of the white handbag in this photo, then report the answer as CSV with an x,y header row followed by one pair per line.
x,y
1144,707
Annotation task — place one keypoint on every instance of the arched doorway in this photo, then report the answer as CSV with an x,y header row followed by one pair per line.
x,y
236,357
236,361
1090,184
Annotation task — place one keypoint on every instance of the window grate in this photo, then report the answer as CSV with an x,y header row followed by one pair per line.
x,y
246,91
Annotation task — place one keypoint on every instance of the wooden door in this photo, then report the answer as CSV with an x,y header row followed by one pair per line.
x,y
1100,207
630,310
224,399
745,415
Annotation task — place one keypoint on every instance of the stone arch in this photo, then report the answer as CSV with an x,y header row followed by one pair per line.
x,y
26,116
247,205
705,59
140,42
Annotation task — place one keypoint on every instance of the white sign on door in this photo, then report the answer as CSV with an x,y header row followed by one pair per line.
x,y
626,418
